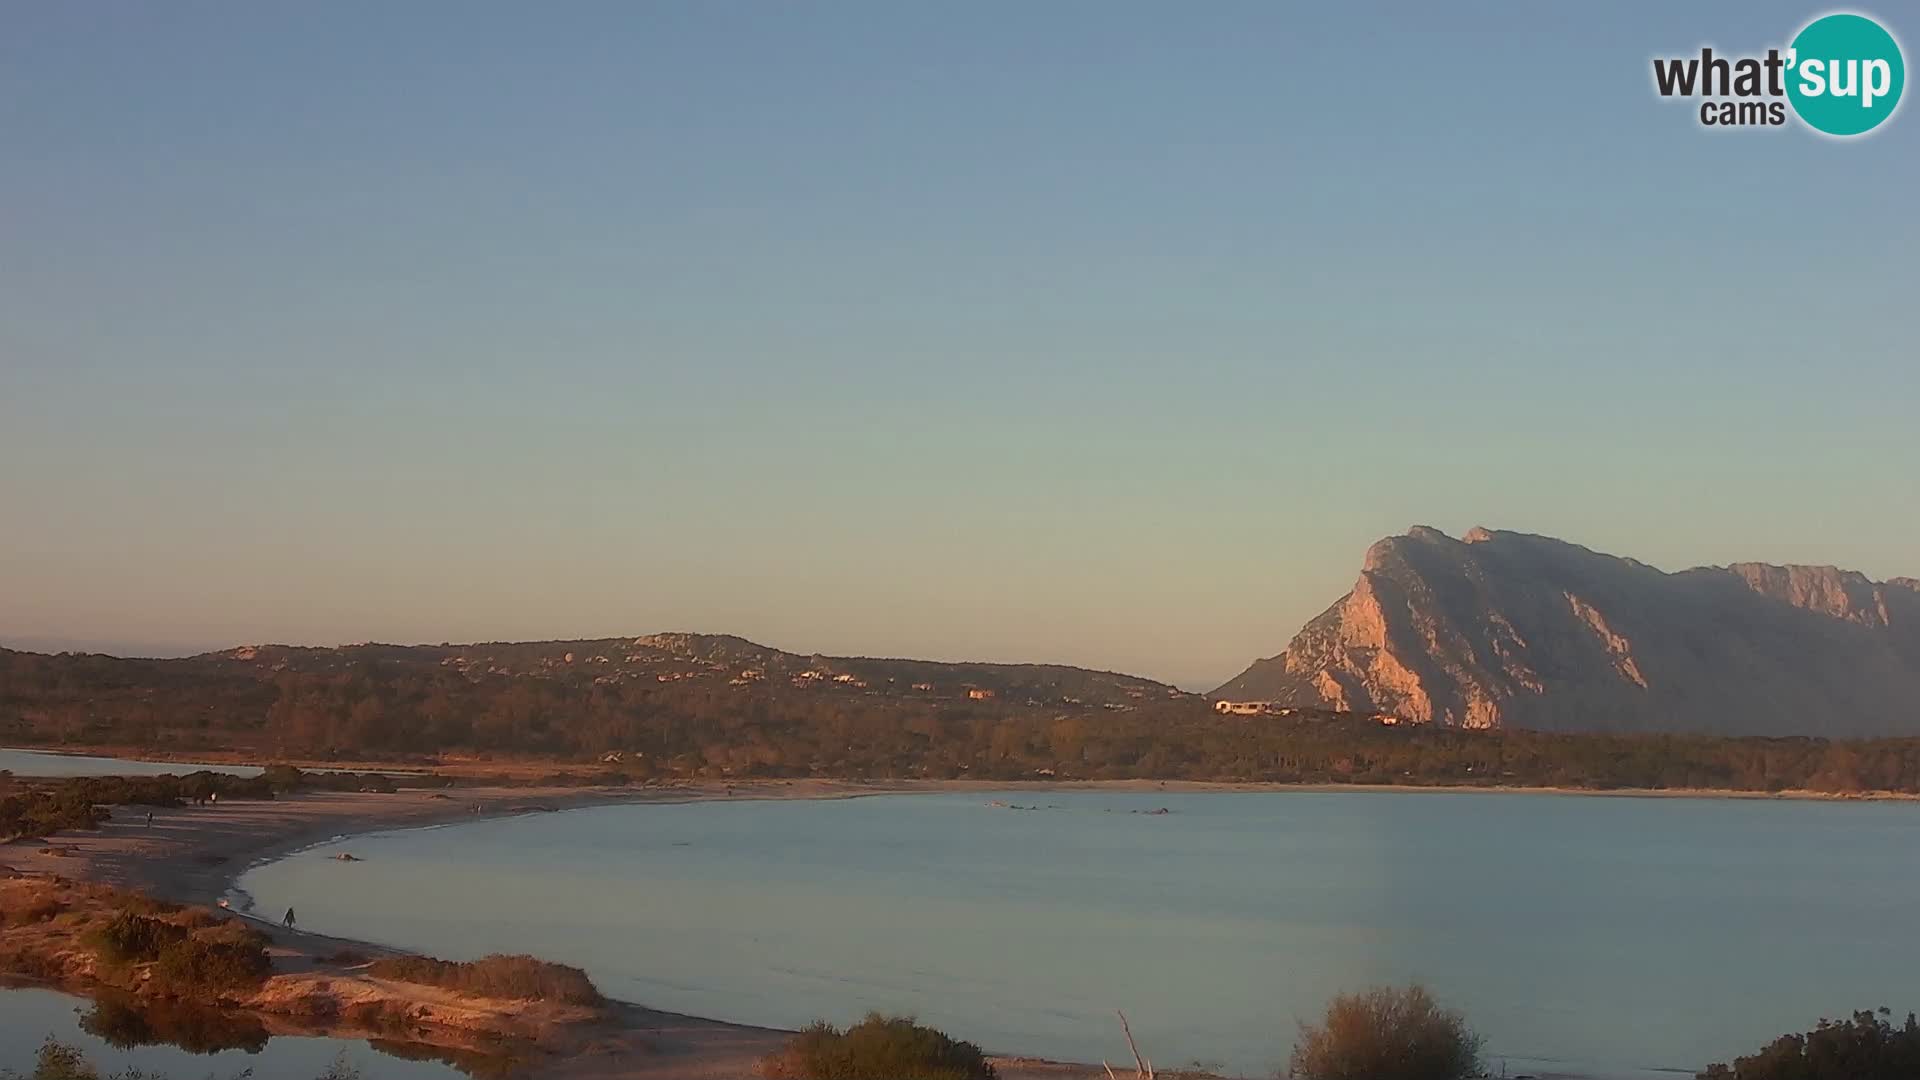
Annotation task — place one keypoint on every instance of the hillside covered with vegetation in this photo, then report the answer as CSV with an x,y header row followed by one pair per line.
x,y
675,705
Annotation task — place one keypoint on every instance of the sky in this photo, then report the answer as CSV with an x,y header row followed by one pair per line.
x,y
1107,333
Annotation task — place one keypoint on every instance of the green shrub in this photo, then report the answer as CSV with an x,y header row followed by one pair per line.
x,y
1386,1033
1868,1047
225,956
877,1048
518,978
199,964
231,931
129,938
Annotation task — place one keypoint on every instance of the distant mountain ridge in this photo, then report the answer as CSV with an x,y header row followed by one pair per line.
x,y
722,658
1508,629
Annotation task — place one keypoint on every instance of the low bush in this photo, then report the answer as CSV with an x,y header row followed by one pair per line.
x,y
200,964
129,938
284,778
519,978
224,956
1386,1033
199,918
877,1048
142,904
1868,1047
230,931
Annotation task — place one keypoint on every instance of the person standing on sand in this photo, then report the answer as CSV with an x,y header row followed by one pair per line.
x,y
288,921
149,819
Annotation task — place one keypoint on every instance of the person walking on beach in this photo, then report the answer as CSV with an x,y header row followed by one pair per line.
x,y
288,921
149,819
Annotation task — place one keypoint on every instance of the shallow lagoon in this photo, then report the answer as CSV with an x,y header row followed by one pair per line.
x,y
1606,936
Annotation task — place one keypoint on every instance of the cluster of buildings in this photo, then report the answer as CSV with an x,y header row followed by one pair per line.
x,y
1251,708
816,677
1274,708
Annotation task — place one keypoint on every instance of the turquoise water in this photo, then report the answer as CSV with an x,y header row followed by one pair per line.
x,y
29,1016
1614,937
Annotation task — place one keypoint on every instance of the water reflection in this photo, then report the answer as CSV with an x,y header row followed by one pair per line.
x,y
123,1022
120,1033
503,1064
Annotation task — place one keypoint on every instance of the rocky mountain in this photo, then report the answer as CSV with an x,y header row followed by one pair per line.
x,y
1506,629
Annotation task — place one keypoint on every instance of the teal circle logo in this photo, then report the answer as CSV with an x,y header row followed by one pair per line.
x,y
1845,74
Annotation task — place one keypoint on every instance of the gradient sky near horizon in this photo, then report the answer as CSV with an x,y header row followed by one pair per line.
x,y
1107,333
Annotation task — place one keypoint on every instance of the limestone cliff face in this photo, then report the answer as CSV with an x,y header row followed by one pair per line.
x,y
1504,629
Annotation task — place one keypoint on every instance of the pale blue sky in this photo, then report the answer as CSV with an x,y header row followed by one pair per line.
x,y
1105,333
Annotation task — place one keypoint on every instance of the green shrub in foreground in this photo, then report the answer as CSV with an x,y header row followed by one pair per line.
x,y
877,1048
1387,1033
201,964
219,955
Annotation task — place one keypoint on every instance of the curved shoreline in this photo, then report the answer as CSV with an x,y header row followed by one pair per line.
x,y
195,856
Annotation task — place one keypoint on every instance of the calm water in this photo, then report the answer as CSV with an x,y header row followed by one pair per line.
x,y
42,763
1608,936
29,1016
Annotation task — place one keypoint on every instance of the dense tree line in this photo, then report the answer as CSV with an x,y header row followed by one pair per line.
x,y
1867,1047
704,727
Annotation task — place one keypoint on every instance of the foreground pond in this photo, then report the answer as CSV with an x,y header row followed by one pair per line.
x,y
184,1045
